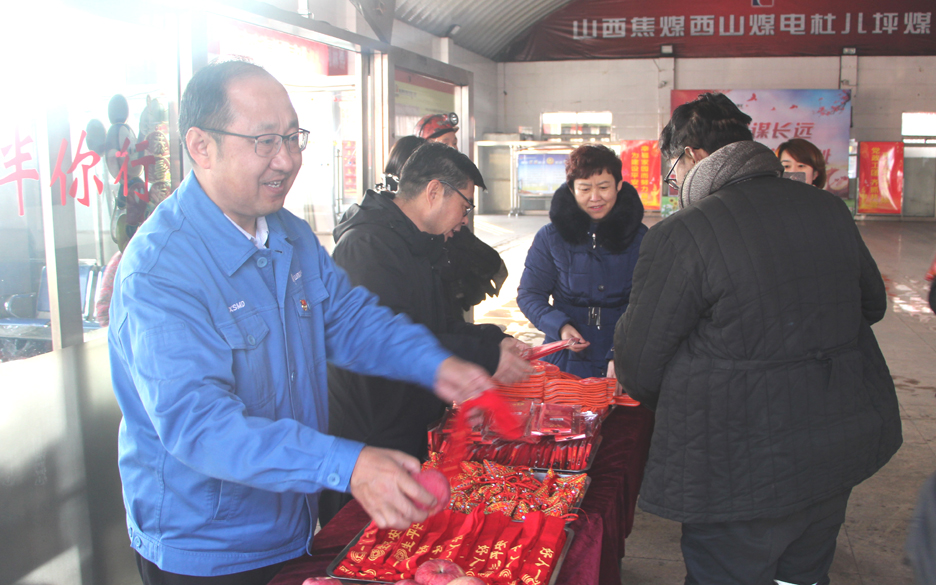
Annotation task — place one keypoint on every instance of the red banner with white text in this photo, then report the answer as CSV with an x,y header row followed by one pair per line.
x,y
613,29
880,177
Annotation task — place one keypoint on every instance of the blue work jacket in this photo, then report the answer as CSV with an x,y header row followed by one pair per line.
x,y
218,357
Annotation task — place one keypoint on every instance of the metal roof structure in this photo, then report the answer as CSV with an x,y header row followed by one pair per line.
x,y
485,27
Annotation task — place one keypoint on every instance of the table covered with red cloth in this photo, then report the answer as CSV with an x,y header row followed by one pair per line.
x,y
606,517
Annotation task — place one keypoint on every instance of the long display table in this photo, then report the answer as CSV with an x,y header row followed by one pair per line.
x,y
605,520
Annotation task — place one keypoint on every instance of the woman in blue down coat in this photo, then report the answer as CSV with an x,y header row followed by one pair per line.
x,y
584,259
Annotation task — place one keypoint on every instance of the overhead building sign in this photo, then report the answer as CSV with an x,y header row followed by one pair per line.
x,y
609,29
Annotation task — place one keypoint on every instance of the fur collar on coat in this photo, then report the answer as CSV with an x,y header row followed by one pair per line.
x,y
615,232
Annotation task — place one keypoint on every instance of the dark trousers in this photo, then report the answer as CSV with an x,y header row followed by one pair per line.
x,y
153,575
795,549
330,503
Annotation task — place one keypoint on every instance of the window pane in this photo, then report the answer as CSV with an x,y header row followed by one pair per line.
x,y
117,158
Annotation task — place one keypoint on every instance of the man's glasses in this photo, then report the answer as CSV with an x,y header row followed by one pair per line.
x,y
471,205
268,145
670,180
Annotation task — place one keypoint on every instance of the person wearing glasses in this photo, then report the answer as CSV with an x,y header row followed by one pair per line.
x,y
473,270
393,247
584,259
749,335
224,313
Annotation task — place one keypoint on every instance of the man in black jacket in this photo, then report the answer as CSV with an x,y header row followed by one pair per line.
x,y
748,332
393,247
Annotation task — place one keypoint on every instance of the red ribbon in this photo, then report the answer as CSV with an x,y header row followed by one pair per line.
x,y
548,348
503,421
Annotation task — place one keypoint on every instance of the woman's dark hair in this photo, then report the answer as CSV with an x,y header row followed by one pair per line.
x,y
806,152
592,159
205,102
709,122
399,154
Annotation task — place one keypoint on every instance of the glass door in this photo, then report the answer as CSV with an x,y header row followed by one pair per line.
x,y
323,82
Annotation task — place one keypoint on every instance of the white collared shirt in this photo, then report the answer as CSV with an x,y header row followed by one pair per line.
x,y
263,232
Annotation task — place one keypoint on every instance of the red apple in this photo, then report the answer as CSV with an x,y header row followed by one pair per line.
x,y
467,580
407,582
434,482
322,581
438,572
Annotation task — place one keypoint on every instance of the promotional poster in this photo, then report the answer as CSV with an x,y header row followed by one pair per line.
x,y
821,116
880,177
640,160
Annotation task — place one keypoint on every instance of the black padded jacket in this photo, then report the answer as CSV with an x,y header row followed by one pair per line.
x,y
748,332
382,249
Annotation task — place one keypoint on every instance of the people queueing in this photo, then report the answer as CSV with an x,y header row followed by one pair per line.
x,y
749,333
224,313
584,259
392,245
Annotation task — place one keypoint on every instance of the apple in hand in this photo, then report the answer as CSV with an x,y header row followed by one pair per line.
x,y
467,580
322,581
434,482
438,572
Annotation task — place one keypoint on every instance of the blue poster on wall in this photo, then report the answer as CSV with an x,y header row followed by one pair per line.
x,y
540,174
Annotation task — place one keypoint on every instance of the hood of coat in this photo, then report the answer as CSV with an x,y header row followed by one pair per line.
x,y
729,164
378,209
615,232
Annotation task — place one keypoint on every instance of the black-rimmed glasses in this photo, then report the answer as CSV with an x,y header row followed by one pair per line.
x,y
268,145
669,180
471,205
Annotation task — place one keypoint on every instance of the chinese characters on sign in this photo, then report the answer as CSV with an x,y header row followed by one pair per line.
x,y
821,116
908,23
87,160
880,177
640,160
611,29
19,174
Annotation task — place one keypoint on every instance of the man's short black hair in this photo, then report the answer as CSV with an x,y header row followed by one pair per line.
x,y
205,102
709,122
435,160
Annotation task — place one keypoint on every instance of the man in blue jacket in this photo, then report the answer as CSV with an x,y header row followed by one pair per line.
x,y
224,314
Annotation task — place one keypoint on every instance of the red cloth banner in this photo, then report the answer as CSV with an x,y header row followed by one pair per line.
x,y
880,177
611,29
640,166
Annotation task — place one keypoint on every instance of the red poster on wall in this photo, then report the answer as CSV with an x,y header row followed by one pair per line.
x,y
349,169
880,177
640,162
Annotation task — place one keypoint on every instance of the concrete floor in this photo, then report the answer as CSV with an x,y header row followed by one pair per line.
x,y
871,545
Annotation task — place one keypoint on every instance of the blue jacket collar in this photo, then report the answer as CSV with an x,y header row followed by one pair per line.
x,y
229,248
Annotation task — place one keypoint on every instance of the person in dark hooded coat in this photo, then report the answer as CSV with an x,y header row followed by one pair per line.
x,y
584,260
